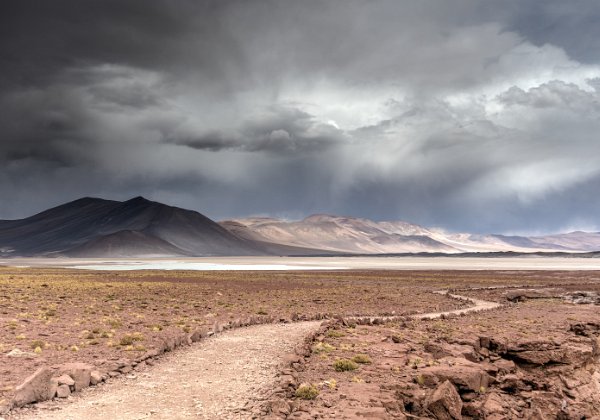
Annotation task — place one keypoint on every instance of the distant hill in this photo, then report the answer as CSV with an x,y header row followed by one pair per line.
x,y
94,227
351,235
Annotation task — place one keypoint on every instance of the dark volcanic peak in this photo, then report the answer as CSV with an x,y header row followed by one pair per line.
x,y
80,225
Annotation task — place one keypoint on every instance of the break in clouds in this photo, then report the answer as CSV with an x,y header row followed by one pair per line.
x,y
469,115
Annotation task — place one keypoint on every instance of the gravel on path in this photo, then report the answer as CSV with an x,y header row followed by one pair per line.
x,y
217,378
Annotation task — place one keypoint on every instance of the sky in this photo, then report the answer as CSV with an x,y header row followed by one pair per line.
x,y
469,115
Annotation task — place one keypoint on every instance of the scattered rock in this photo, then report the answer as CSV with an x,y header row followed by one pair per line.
x,y
19,353
80,372
493,405
37,387
445,403
65,380
63,391
467,376
575,351
95,377
440,350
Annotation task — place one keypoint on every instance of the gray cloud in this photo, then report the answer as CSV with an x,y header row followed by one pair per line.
x,y
279,130
467,114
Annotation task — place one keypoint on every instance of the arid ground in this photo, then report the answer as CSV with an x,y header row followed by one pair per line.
x,y
536,355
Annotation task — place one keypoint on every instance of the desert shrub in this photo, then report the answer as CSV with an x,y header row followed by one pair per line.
x,y
322,348
343,365
331,383
128,339
114,323
307,392
361,358
37,343
335,333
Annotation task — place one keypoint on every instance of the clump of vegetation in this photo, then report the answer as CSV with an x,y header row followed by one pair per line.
x,y
362,359
114,323
321,347
414,363
37,343
129,339
331,383
335,333
344,365
307,392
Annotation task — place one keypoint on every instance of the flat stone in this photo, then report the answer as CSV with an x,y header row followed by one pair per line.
x,y
462,373
20,353
37,387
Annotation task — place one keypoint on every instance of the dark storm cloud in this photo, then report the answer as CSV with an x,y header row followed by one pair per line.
x,y
465,114
280,130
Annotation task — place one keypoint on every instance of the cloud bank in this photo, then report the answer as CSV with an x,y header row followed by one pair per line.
x,y
473,115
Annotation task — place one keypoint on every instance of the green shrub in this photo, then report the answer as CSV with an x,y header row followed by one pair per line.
x,y
307,392
37,343
343,365
321,347
361,358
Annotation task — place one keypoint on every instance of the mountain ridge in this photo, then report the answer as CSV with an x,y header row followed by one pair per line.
x,y
96,227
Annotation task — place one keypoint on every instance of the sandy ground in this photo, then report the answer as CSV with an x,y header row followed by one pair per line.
x,y
318,263
213,379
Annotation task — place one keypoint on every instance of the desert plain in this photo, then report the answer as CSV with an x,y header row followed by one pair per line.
x,y
363,347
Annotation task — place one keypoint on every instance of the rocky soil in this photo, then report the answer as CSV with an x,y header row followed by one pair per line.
x,y
534,359
56,316
535,354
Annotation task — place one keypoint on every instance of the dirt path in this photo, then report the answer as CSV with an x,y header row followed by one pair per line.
x,y
478,305
213,379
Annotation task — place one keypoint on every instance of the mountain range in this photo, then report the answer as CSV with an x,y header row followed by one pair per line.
x,y
94,227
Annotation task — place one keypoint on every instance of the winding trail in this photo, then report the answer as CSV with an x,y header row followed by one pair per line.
x,y
213,379
478,305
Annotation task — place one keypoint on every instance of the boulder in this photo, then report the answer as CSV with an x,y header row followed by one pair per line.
x,y
95,377
80,372
445,403
197,335
467,376
65,380
573,352
522,295
440,350
63,391
505,366
37,387
494,405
